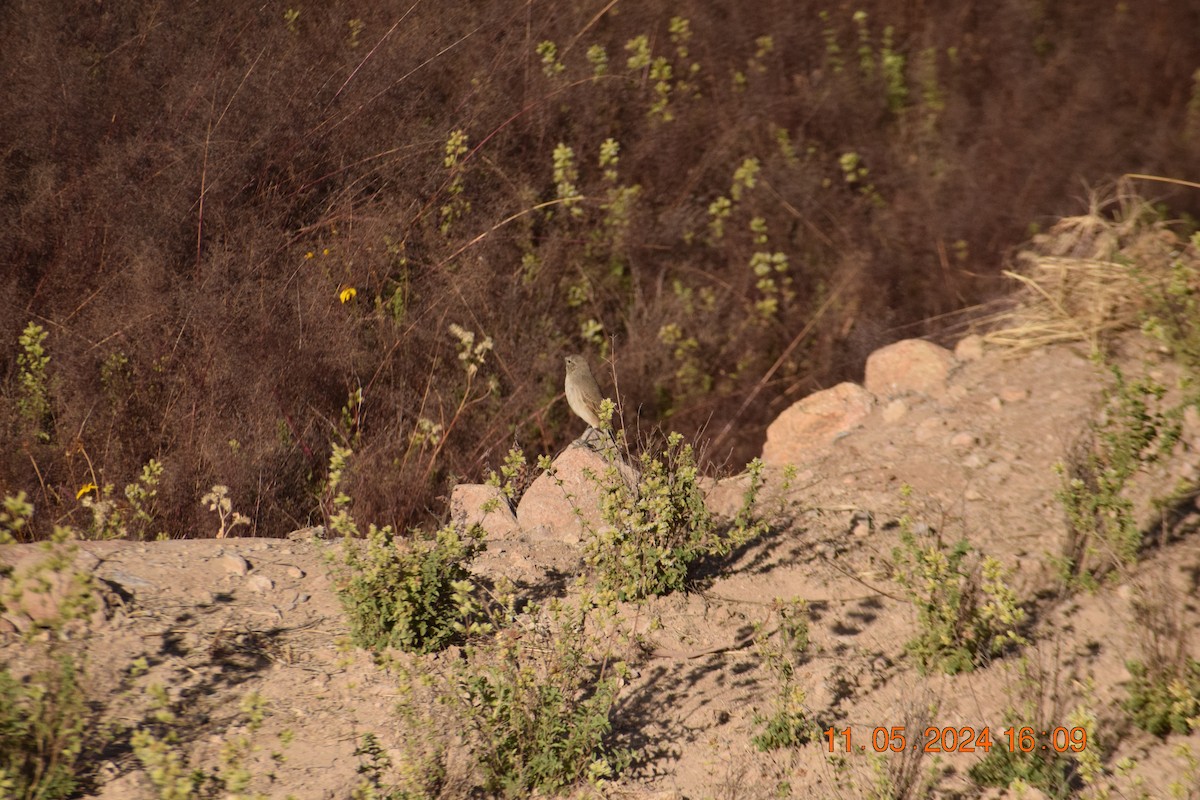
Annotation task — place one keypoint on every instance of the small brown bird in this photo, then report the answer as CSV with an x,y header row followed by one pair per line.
x,y
583,395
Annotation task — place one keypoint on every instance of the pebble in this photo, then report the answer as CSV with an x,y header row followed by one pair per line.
x,y
969,348
295,572
963,439
927,429
1013,394
260,583
995,403
998,469
234,564
895,410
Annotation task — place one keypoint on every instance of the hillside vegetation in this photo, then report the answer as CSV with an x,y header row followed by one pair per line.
x,y
235,236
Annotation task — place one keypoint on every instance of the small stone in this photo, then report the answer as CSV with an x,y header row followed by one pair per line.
x,y
995,403
972,495
973,461
927,429
963,439
260,583
1014,394
998,470
969,348
861,529
295,572
234,564
895,410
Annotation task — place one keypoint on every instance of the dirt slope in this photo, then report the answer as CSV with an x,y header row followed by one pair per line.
x,y
217,620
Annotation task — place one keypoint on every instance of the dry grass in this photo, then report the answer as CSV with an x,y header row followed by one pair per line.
x,y
1083,280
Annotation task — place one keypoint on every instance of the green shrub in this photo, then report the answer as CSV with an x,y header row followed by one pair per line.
x,y
539,705
1162,701
966,611
42,720
788,724
659,525
1103,534
1173,316
1048,771
33,385
414,594
1038,703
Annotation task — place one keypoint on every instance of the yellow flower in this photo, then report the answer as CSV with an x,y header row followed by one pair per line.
x,y
87,487
347,294
309,254
325,252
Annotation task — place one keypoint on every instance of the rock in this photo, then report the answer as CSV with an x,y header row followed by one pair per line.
x,y
128,582
912,365
895,410
725,497
1013,394
234,564
969,348
995,403
928,429
467,502
548,509
815,422
963,439
259,583
294,572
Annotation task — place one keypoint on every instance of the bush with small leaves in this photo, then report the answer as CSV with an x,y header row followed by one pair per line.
x,y
42,721
966,611
414,594
1163,702
539,704
659,525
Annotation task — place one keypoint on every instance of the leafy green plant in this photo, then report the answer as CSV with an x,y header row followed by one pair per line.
x,y
15,513
788,724
132,518
658,525
1003,767
966,611
42,722
33,384
1163,702
1173,313
159,749
1137,430
415,593
1038,705
539,705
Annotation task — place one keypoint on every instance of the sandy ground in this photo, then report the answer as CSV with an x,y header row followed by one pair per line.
x,y
217,620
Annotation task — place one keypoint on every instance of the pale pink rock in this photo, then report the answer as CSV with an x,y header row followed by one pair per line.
x,y
895,411
566,506
815,422
467,504
912,365
969,348
1013,394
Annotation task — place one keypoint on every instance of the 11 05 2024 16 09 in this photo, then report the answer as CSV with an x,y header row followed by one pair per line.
x,y
949,739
